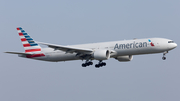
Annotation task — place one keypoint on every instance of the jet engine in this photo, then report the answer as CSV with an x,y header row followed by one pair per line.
x,y
124,58
101,54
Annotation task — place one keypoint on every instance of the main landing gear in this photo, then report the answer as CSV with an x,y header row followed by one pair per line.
x,y
100,64
88,63
164,58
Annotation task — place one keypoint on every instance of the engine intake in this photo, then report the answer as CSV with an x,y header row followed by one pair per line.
x,y
101,54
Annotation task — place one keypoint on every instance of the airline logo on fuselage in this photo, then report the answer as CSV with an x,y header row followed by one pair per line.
x,y
151,42
133,45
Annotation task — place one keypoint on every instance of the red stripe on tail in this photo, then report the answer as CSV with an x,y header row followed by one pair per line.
x,y
21,34
23,39
26,45
32,50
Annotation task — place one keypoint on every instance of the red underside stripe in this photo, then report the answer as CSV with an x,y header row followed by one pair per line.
x,y
26,45
32,50
35,55
23,39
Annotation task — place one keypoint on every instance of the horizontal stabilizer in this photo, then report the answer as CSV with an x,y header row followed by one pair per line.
x,y
18,53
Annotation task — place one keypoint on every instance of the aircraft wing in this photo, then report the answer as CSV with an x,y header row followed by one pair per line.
x,y
18,53
68,49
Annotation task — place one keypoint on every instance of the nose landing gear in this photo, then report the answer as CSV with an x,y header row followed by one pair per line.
x,y
164,58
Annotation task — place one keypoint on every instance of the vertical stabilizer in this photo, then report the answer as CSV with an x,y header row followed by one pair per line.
x,y
28,43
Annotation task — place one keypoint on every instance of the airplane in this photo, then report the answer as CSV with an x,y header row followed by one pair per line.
x,y
122,51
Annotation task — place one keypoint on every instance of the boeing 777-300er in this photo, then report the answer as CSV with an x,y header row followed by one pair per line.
x,y
119,50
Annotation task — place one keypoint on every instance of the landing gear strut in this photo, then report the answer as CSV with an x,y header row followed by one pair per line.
x,y
87,63
164,58
100,64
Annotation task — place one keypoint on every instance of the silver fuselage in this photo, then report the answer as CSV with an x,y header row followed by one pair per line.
x,y
120,48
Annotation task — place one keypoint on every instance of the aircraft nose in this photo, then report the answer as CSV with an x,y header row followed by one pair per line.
x,y
174,45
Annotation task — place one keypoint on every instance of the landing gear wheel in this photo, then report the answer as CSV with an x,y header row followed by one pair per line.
x,y
100,64
87,63
83,65
164,58
91,63
104,64
97,66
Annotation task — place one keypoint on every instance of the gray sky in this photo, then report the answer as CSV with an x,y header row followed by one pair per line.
x,y
68,22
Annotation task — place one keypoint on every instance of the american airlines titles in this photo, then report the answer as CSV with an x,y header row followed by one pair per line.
x,y
130,45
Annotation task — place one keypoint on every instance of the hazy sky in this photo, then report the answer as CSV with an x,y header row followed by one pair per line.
x,y
68,22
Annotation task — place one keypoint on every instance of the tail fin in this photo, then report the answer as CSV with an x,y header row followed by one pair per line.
x,y
28,43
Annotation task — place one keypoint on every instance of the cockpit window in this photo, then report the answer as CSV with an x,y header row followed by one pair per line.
x,y
170,41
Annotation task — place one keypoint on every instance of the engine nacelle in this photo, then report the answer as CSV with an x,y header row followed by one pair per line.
x,y
101,54
124,58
